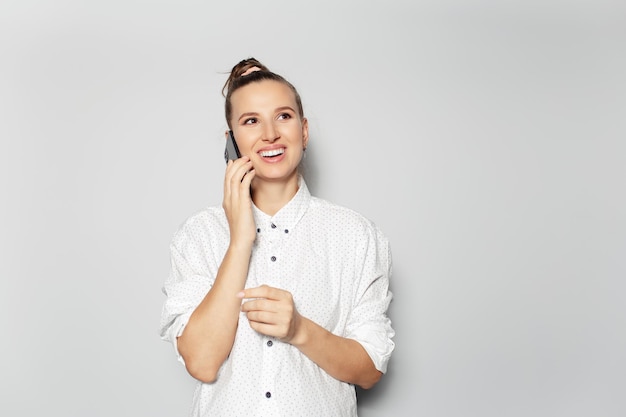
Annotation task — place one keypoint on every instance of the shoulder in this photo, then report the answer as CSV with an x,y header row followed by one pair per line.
x,y
204,224
345,219
354,234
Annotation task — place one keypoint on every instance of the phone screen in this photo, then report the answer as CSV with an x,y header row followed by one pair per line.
x,y
232,150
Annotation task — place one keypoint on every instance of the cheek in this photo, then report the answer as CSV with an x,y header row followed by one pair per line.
x,y
296,133
245,141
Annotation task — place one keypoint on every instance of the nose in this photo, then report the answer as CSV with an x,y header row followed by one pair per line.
x,y
270,133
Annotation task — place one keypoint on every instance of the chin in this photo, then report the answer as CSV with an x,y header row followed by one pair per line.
x,y
276,175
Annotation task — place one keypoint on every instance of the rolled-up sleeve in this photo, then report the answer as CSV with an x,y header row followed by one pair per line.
x,y
184,290
369,323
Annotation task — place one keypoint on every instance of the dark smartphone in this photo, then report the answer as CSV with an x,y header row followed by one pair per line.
x,y
232,150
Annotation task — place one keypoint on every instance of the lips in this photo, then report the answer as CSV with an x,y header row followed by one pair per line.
x,y
272,152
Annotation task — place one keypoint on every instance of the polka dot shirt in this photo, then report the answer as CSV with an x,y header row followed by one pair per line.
x,y
335,263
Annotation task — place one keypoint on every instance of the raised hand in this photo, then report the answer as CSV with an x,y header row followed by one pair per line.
x,y
237,201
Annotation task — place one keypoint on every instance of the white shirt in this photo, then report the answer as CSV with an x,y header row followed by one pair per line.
x,y
335,263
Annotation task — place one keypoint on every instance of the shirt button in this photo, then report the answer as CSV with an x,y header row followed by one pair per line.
x,y
273,258
268,394
258,230
273,226
270,343
286,231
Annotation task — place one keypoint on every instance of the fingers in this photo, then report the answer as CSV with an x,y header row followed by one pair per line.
x,y
247,179
272,306
278,324
265,298
264,291
270,311
264,317
235,180
237,201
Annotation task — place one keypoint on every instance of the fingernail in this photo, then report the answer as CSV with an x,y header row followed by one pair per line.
x,y
240,294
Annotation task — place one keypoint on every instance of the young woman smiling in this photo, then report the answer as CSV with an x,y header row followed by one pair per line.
x,y
276,301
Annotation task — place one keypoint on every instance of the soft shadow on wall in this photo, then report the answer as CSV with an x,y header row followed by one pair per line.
x,y
309,170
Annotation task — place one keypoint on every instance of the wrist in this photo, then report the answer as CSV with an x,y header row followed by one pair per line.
x,y
301,335
241,246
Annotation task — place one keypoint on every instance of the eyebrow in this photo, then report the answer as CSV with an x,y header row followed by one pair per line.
x,y
277,110
285,108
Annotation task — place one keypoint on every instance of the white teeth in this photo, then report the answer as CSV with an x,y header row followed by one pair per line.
x,y
273,152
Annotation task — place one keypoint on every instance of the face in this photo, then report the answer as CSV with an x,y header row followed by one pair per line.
x,y
268,129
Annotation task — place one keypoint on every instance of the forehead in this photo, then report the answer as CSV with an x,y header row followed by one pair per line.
x,y
266,94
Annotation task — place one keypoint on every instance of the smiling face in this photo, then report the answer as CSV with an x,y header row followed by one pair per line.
x,y
268,129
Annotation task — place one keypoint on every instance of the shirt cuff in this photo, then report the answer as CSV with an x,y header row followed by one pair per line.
x,y
176,330
378,346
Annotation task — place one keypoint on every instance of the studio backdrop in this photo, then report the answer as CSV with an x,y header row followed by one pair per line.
x,y
486,139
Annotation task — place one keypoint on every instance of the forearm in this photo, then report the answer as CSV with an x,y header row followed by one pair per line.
x,y
342,358
208,337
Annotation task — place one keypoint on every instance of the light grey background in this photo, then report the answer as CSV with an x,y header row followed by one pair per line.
x,y
487,139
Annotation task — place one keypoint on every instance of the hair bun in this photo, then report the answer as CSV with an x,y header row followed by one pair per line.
x,y
247,64
242,68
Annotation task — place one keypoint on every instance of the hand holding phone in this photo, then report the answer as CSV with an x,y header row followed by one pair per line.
x,y
232,150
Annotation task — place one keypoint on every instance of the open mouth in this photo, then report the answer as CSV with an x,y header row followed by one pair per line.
x,y
272,153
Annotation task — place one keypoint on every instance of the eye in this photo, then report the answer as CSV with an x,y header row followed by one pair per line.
x,y
284,116
250,121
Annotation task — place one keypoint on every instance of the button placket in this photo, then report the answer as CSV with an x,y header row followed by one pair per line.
x,y
274,232
268,274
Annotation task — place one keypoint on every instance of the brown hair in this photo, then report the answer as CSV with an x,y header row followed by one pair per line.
x,y
236,80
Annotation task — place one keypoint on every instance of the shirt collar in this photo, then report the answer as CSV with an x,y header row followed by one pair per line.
x,y
287,217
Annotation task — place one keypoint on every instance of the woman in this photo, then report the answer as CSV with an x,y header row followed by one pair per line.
x,y
276,301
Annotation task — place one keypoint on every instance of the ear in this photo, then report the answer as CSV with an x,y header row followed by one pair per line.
x,y
226,134
305,132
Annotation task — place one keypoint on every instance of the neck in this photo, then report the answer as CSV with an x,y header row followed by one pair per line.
x,y
270,197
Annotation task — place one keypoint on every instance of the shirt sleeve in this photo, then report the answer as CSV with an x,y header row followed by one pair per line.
x,y
368,323
184,290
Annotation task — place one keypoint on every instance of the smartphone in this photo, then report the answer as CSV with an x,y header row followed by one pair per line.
x,y
232,150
